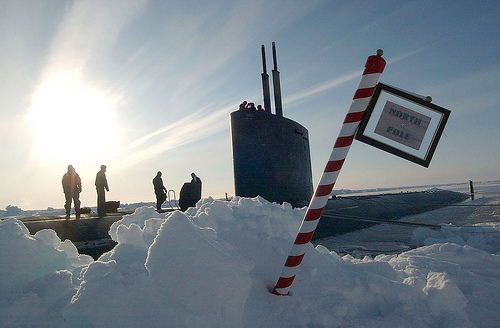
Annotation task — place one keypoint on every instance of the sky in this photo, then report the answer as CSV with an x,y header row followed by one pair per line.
x,y
146,86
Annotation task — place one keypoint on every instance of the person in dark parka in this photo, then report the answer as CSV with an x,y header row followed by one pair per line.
x,y
160,190
196,182
101,184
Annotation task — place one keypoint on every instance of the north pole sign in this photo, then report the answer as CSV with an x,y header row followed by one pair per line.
x,y
402,123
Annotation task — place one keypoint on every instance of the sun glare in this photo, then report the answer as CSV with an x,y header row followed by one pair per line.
x,y
70,121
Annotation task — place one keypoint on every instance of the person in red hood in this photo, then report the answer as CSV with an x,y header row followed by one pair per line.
x,y
72,187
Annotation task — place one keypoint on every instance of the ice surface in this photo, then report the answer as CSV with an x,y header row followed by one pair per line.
x,y
213,265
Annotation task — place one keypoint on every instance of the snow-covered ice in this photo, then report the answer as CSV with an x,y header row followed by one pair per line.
x,y
213,266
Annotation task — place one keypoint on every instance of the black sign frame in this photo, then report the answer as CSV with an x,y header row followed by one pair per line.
x,y
431,121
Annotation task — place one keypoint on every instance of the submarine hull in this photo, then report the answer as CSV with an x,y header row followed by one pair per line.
x,y
351,213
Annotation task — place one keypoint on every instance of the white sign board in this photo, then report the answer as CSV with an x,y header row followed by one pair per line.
x,y
403,124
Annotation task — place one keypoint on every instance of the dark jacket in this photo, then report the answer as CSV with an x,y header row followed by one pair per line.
x,y
100,181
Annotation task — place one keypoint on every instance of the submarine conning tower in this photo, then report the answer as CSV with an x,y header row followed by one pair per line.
x,y
271,154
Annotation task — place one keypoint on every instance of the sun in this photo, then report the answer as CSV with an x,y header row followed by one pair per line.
x,y
70,120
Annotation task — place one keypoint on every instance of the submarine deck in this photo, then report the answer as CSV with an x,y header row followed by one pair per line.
x,y
342,214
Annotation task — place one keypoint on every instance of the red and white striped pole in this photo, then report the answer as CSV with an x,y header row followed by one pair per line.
x,y
373,68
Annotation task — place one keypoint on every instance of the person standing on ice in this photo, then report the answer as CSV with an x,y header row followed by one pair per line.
x,y
101,184
72,187
195,179
160,190
196,182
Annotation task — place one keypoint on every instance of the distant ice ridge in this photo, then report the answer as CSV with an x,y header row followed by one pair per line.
x,y
213,265
484,236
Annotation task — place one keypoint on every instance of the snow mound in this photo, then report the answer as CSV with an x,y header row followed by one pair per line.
x,y
213,266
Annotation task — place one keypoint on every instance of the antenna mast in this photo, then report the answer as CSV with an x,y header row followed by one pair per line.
x,y
276,85
265,83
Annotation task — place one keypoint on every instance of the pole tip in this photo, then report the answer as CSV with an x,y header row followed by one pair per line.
x,y
380,52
